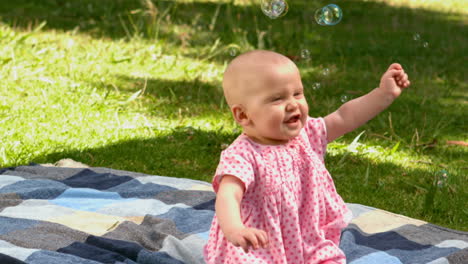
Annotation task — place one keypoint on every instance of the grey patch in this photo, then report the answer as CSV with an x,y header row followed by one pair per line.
x,y
430,234
48,236
50,257
36,189
118,172
187,197
459,257
40,172
150,234
9,200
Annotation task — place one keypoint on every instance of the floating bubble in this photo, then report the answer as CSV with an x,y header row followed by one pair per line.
x,y
305,54
316,86
344,98
416,37
325,72
425,44
274,8
442,178
328,15
233,50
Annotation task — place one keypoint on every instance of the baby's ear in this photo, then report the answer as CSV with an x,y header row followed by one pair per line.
x,y
240,115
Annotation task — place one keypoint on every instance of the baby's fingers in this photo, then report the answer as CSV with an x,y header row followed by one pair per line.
x,y
263,238
395,66
244,244
403,81
251,237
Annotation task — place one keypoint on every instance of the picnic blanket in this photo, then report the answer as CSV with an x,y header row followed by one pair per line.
x,y
100,215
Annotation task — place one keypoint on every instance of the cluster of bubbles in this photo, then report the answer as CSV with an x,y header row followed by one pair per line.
x,y
305,54
417,38
328,15
325,72
442,178
274,8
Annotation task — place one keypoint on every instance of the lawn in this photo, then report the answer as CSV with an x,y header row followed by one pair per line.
x,y
136,85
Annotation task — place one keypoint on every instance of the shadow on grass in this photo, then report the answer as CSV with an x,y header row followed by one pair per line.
x,y
178,93
411,112
184,152
191,153
367,29
357,51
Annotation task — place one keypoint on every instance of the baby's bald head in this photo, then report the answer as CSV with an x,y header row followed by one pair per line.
x,y
246,71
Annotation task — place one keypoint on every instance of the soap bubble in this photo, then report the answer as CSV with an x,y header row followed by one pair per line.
x,y
328,15
305,54
325,72
316,86
442,178
233,50
274,8
417,37
425,44
344,98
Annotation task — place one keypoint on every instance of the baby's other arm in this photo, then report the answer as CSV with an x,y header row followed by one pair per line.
x,y
357,112
228,199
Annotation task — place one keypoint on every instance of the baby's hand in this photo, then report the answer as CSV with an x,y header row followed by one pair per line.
x,y
248,237
394,80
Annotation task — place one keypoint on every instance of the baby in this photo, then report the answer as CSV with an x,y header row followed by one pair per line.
x,y
275,200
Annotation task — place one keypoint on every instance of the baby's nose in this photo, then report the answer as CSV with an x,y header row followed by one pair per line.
x,y
292,105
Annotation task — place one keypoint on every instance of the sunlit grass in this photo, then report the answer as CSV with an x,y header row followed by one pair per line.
x,y
452,6
128,87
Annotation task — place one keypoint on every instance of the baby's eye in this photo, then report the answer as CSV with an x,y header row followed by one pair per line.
x,y
297,93
277,98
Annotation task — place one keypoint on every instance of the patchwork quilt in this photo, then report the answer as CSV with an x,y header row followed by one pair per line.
x,y
98,215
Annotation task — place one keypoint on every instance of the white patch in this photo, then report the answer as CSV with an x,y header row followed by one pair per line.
x,y
33,209
8,180
15,251
178,183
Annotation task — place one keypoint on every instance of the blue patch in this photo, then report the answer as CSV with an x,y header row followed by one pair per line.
x,y
8,224
359,246
161,257
35,189
124,248
92,252
377,257
99,181
422,256
135,189
204,235
51,257
189,220
87,199
10,260
209,205
349,246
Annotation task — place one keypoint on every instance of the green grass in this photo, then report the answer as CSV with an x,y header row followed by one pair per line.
x,y
137,86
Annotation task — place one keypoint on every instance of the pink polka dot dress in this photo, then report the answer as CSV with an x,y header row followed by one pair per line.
x,y
290,195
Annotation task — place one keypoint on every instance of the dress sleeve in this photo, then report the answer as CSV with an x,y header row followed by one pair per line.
x,y
317,133
235,164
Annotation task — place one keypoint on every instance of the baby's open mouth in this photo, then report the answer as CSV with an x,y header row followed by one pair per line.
x,y
293,119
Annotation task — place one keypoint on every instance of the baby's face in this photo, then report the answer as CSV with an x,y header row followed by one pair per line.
x,y
276,105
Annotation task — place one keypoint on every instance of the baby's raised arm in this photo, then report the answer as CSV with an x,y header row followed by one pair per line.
x,y
228,199
357,112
